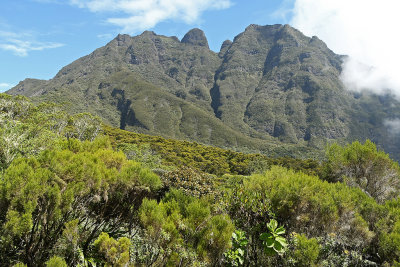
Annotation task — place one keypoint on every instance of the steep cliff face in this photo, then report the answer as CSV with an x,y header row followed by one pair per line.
x,y
271,88
276,81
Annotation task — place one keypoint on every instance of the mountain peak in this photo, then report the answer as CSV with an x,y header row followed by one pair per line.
x,y
121,39
195,37
148,33
225,47
226,44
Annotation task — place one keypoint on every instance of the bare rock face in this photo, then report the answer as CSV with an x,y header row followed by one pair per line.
x,y
195,37
225,47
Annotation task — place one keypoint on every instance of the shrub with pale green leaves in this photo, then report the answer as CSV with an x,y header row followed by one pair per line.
x,y
185,230
113,252
306,251
365,167
56,261
84,181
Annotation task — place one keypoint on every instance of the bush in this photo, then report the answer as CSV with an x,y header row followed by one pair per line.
x,y
306,251
190,181
309,205
113,252
40,197
363,166
184,230
56,261
304,204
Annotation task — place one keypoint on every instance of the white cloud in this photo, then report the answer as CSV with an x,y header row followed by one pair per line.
x,y
366,30
5,86
144,14
23,43
105,36
2,85
393,125
284,11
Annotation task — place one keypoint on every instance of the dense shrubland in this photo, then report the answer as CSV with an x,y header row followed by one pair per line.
x,y
27,129
71,195
207,159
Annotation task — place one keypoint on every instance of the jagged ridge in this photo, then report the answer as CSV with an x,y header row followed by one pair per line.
x,y
272,85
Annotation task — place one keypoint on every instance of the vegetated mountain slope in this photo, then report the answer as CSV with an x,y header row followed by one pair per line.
x,y
121,81
270,86
272,81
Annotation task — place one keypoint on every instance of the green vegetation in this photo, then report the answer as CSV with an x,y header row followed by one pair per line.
x,y
306,251
273,242
76,193
113,252
365,167
56,262
27,129
207,159
185,231
176,95
272,90
80,187
236,254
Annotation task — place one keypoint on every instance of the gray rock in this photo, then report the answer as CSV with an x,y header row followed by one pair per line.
x,y
224,47
195,37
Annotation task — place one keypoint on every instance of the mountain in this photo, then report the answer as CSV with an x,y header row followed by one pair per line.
x,y
271,89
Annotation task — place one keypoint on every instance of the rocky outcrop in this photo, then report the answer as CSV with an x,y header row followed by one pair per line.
x,y
195,37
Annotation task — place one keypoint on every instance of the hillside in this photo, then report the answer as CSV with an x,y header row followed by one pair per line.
x,y
271,89
74,192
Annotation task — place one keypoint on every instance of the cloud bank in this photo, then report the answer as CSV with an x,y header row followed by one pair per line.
x,y
138,15
20,44
365,30
393,126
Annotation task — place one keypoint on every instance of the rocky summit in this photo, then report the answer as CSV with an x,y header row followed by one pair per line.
x,y
195,37
271,89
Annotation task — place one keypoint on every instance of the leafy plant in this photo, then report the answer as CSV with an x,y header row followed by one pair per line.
x,y
273,241
236,255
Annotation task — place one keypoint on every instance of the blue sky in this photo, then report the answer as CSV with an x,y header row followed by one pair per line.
x,y
39,37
